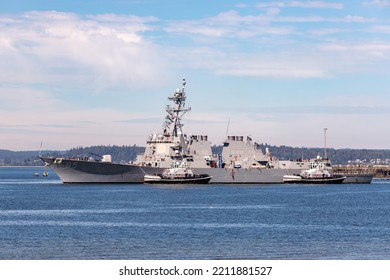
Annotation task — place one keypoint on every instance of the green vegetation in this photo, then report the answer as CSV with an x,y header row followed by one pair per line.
x,y
24,158
31,158
337,156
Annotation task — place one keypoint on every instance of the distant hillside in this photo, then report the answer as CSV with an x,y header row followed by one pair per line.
x,y
129,153
337,156
31,158
23,158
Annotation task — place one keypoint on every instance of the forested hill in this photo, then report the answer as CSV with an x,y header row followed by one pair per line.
x,y
24,158
337,156
31,158
129,153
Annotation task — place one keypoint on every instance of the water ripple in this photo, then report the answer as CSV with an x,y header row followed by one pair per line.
x,y
69,212
188,225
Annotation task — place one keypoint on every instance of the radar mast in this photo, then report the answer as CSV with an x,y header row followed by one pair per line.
x,y
173,125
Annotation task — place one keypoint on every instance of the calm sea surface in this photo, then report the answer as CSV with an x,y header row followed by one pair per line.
x,y
41,218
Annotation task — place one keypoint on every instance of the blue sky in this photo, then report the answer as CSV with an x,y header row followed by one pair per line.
x,y
93,72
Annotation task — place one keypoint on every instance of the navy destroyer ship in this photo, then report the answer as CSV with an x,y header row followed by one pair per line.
x,y
241,160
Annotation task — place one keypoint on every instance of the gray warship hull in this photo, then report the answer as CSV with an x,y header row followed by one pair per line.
x,y
79,171
358,178
245,176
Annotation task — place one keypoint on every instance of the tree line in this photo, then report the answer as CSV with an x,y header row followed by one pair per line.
x,y
128,153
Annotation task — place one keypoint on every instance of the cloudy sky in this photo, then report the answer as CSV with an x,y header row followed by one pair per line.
x,y
94,72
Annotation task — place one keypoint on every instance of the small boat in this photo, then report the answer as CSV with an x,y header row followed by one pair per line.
x,y
319,172
45,173
36,174
179,173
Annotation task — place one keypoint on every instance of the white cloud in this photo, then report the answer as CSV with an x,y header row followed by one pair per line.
x,y
363,50
327,31
63,48
279,45
316,4
378,3
263,66
380,29
52,66
231,24
318,60
301,4
357,19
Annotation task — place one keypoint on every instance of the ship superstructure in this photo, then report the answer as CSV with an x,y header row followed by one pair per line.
x,y
170,143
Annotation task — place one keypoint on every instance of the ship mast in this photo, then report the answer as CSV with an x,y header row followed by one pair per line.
x,y
173,125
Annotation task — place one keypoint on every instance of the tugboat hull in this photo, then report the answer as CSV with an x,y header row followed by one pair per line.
x,y
201,179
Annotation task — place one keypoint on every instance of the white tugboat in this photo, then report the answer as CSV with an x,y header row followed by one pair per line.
x,y
319,172
179,173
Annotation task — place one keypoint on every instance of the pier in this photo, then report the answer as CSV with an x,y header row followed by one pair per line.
x,y
379,171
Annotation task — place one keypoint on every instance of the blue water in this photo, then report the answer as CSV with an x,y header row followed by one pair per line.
x,y
41,218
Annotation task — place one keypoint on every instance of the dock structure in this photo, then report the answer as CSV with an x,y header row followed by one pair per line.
x,y
379,171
